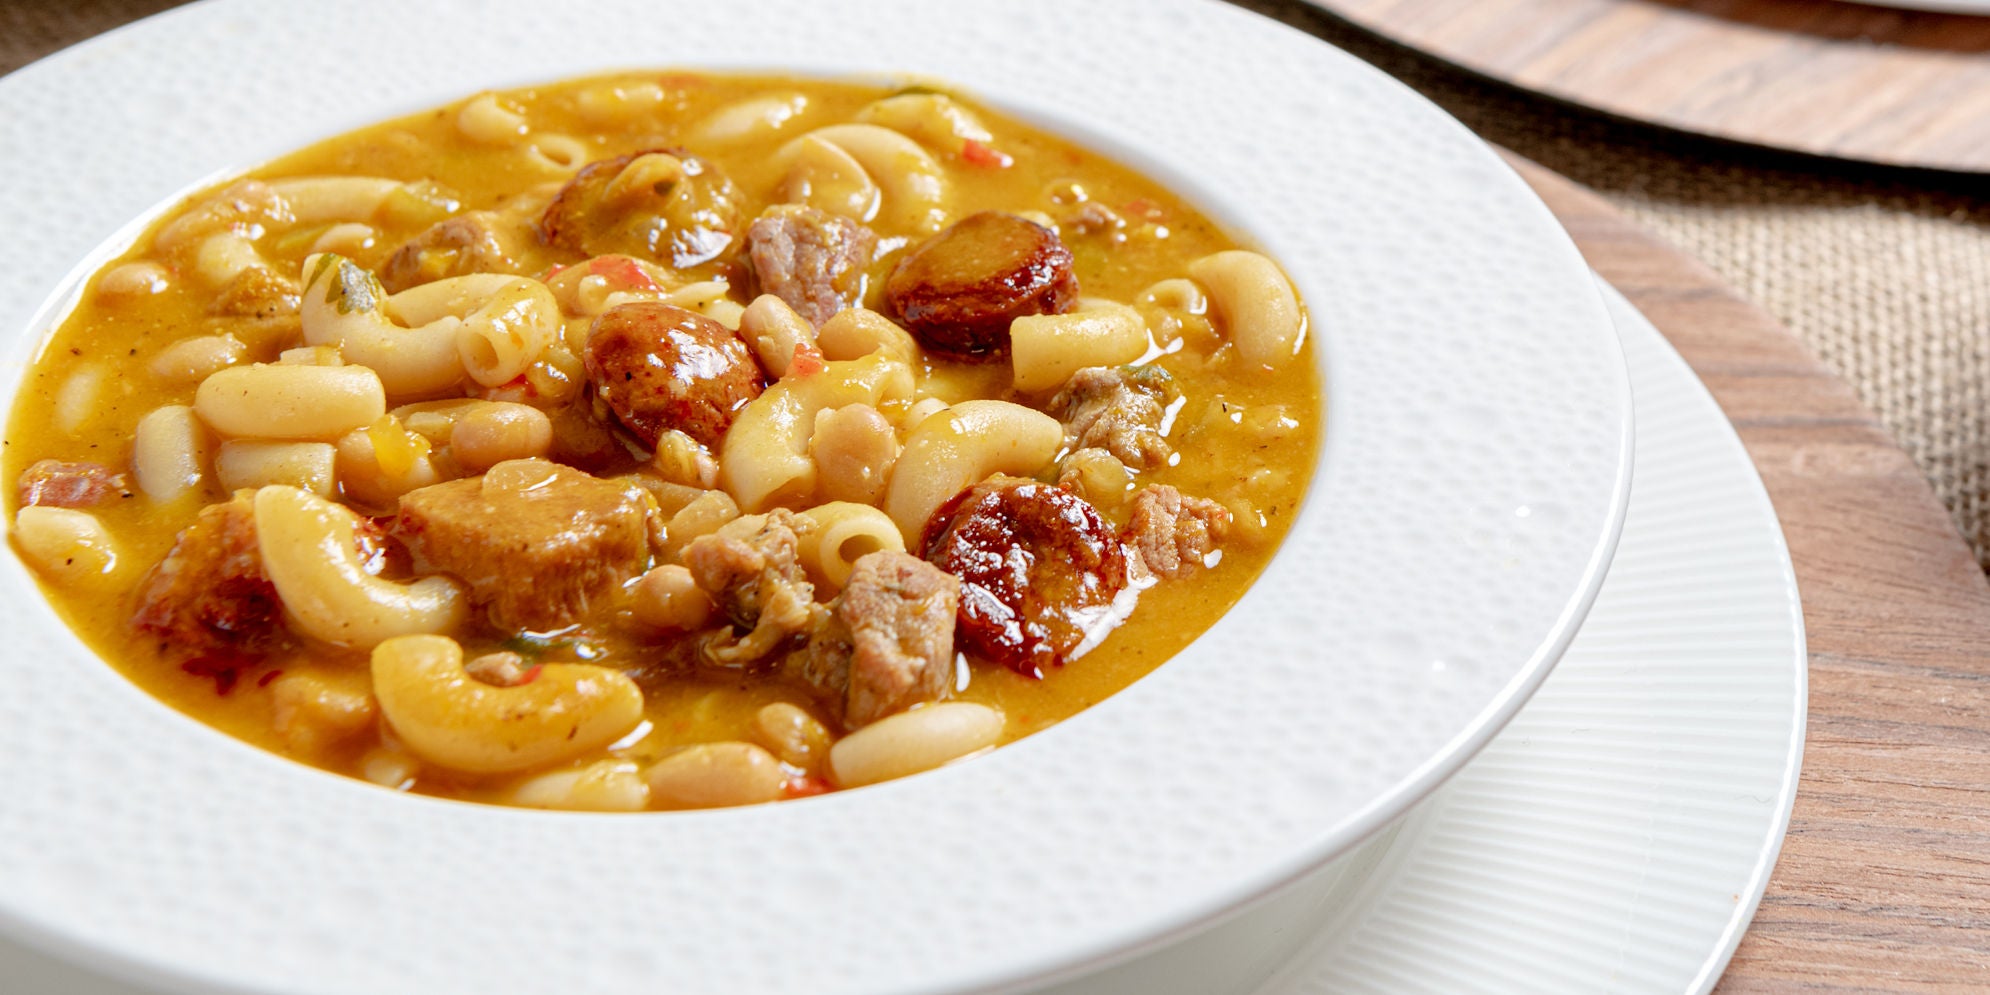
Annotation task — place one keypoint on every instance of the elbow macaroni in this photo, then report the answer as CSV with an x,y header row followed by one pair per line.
x,y
454,720
967,443
1253,304
1046,349
764,459
306,543
845,532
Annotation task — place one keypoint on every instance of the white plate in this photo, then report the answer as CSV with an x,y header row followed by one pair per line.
x,y
1616,836
1619,833
1474,474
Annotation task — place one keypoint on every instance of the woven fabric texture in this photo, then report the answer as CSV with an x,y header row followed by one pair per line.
x,y
1885,273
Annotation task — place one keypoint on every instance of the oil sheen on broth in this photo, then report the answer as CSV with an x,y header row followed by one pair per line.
x,y
663,441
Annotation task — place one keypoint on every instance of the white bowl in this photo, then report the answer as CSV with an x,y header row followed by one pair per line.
x,y
1472,483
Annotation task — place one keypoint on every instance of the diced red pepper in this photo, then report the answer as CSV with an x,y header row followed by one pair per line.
x,y
807,361
803,786
981,154
531,674
224,671
263,681
622,272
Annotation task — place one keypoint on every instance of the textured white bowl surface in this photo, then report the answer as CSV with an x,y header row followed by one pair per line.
x,y
1473,480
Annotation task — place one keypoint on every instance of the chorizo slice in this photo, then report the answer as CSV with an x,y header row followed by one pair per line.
x,y
477,242
62,484
661,204
1040,571
660,367
959,290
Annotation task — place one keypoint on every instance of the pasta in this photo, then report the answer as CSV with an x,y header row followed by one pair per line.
x,y
658,441
1047,348
283,401
1253,305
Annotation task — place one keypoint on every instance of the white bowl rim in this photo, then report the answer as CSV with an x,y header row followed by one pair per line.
x,y
1580,550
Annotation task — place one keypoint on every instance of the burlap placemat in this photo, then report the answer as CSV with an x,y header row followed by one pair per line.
x,y
1885,273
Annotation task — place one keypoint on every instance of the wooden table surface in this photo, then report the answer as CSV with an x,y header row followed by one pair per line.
x,y
1839,79
1884,881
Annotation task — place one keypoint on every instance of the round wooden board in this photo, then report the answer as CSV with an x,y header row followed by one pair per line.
x,y
1884,881
1903,88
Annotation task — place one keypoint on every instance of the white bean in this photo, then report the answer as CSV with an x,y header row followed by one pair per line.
x,y
716,775
68,546
913,741
602,786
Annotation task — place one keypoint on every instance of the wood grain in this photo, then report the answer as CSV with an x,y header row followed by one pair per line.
x,y
1884,881
1838,79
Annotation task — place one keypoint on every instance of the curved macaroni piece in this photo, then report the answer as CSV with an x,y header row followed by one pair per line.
x,y
965,444
318,199
453,720
1253,305
756,117
425,338
1046,349
775,332
555,153
486,120
764,460
935,120
913,185
289,401
825,177
507,321
617,102
343,305
845,532
307,549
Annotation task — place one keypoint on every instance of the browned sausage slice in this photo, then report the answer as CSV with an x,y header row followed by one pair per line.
x,y
1039,571
61,484
959,290
680,210
660,367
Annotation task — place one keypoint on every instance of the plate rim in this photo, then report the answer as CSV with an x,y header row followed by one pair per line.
x,y
1380,809
1317,953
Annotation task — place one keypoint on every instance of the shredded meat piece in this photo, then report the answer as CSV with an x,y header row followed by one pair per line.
x,y
209,596
258,292
888,641
540,544
503,669
1173,535
752,570
1119,410
473,242
60,484
810,258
